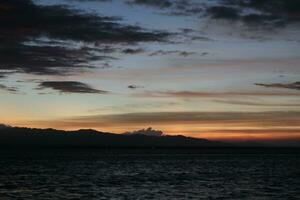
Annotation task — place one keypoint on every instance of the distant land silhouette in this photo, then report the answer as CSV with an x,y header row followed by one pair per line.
x,y
31,137
88,138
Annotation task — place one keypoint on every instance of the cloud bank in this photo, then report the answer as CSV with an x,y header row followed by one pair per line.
x,y
58,40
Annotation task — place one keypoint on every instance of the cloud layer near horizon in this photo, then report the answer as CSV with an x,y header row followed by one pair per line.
x,y
261,119
222,125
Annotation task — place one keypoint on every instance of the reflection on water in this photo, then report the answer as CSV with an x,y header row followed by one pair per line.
x,y
89,174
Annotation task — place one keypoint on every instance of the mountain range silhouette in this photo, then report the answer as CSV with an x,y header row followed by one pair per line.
x,y
31,137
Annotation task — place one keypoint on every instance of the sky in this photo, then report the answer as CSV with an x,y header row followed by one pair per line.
x,y
218,69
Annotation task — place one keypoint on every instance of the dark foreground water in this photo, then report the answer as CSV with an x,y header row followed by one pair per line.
x,y
152,174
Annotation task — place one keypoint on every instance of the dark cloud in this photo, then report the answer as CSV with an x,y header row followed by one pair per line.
x,y
133,87
152,3
56,39
60,22
294,86
175,52
222,12
187,30
69,87
171,7
187,8
201,38
91,0
258,12
5,73
13,90
133,51
47,60
264,13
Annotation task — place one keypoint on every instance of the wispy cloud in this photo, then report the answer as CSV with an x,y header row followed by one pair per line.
x,y
258,103
13,90
204,94
175,52
69,87
131,107
197,117
294,86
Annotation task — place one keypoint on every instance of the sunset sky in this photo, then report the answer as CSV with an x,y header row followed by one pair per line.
x,y
215,69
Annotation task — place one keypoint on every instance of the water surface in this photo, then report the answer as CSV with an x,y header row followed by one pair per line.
x,y
153,174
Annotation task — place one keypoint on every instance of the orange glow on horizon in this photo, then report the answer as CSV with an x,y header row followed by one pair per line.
x,y
231,134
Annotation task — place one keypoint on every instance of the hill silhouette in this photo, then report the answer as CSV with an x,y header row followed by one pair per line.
x,y
28,137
